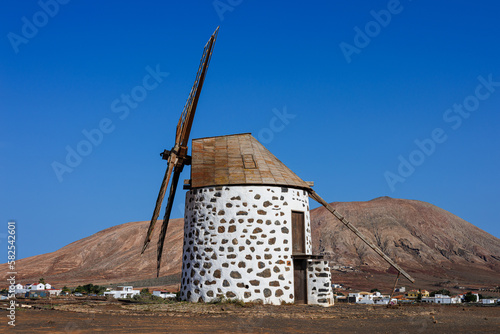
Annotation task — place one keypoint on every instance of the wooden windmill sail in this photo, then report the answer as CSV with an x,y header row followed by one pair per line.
x,y
177,157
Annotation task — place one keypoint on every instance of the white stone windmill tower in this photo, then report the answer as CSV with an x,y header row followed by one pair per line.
x,y
247,232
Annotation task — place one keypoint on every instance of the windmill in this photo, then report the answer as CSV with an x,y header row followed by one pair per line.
x,y
247,224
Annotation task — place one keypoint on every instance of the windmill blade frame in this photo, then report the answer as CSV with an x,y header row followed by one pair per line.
x,y
344,221
177,157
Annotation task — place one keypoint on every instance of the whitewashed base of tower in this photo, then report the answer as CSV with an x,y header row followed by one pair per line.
x,y
238,244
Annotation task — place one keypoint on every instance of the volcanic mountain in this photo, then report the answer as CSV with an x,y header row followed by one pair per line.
x,y
436,247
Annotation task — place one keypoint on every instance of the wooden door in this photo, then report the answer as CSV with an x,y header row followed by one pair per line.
x,y
300,281
298,233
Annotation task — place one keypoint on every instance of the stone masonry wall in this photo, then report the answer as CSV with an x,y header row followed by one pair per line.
x,y
319,283
238,243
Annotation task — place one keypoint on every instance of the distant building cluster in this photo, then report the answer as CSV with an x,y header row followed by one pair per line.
x,y
36,290
411,296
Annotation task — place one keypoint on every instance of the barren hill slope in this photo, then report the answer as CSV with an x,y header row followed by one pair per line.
x,y
433,245
111,255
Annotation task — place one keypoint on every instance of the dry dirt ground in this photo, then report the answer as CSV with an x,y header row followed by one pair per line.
x,y
99,316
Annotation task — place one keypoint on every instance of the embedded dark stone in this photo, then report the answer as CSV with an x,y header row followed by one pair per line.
x,y
250,220
235,274
230,249
278,249
274,283
285,241
285,203
217,194
268,222
267,203
214,256
261,265
196,282
241,213
241,248
213,200
322,275
261,212
248,242
257,196
236,198
272,241
192,273
281,277
207,265
245,204
240,285
276,269
230,294
229,205
247,294
266,273
249,270
222,221
257,230
253,237
255,282
221,248
282,198
210,293
232,229
259,221
248,257
225,283
322,300
278,293
235,241
241,264
221,213
225,241
209,249
231,221
275,198
211,282
231,256
267,256
252,249
285,230
267,292
240,221
225,265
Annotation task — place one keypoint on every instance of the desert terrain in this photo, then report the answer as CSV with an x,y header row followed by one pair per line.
x,y
102,316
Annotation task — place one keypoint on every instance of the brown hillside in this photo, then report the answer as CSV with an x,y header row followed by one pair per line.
x,y
111,255
436,247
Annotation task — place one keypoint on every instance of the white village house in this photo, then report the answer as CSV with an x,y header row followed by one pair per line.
x,y
371,298
442,299
34,287
163,294
122,292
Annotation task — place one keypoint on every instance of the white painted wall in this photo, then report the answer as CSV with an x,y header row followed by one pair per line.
x,y
238,243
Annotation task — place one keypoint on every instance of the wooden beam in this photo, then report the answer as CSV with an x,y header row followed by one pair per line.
x,y
344,221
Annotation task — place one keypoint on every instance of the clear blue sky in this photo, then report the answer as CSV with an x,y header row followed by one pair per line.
x,y
361,92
